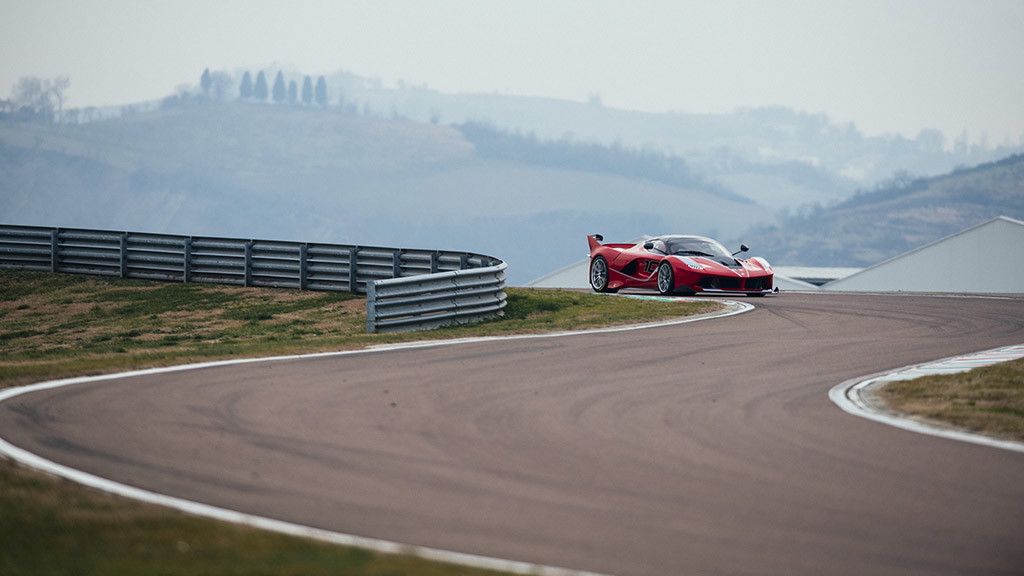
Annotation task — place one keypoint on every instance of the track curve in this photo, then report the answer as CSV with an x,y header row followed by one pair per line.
x,y
706,448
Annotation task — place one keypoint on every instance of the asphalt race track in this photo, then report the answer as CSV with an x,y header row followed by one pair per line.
x,y
702,448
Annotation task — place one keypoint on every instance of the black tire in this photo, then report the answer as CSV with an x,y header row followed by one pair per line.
x,y
666,278
599,274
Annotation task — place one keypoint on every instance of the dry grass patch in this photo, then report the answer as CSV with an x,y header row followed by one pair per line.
x,y
987,400
54,527
59,325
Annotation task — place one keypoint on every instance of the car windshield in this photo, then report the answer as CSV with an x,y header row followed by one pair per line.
x,y
691,246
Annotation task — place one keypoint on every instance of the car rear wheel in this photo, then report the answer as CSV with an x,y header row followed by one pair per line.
x,y
666,278
599,274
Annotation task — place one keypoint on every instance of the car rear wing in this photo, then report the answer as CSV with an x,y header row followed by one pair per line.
x,y
595,242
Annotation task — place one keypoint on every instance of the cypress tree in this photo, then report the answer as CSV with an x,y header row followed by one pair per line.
x,y
321,91
260,90
205,82
245,90
280,92
307,91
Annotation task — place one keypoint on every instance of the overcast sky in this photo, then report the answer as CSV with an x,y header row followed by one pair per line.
x,y
886,65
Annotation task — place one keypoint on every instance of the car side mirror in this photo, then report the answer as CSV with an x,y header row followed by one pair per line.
x,y
743,248
648,245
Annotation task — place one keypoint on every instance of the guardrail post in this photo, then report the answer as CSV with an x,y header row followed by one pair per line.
x,y
396,263
248,264
54,247
303,256
124,255
464,261
371,308
435,261
186,274
353,273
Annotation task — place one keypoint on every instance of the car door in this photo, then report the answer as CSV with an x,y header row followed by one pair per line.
x,y
653,252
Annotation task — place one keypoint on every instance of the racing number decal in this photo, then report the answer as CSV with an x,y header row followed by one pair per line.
x,y
650,266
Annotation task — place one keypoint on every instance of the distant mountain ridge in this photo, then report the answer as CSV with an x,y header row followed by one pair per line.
x,y
495,144
775,155
348,174
314,174
908,213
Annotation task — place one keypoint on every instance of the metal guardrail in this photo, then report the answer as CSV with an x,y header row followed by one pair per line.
x,y
267,263
434,300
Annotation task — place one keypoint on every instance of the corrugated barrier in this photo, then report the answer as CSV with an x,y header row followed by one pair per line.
x,y
439,295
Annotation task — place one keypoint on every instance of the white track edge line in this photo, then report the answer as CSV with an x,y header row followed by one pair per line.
x,y
377,545
278,526
849,396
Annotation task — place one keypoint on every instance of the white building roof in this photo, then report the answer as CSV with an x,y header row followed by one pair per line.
x,y
572,276
814,275
983,259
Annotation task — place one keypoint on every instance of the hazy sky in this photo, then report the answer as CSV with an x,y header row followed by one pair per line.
x,y
886,65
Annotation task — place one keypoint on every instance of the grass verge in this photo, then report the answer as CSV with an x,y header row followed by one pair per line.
x,y
57,326
987,400
54,527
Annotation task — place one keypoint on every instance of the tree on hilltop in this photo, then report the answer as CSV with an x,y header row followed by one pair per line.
x,y
59,88
37,98
260,91
220,84
321,91
307,91
205,82
280,92
245,90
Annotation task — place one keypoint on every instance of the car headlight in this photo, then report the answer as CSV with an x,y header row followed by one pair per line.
x,y
764,263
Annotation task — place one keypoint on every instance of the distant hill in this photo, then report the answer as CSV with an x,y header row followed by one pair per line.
x,y
779,157
904,214
313,174
524,179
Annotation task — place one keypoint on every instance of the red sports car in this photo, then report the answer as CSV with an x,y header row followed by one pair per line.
x,y
677,265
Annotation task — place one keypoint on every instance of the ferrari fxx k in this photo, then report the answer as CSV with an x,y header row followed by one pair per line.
x,y
677,265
